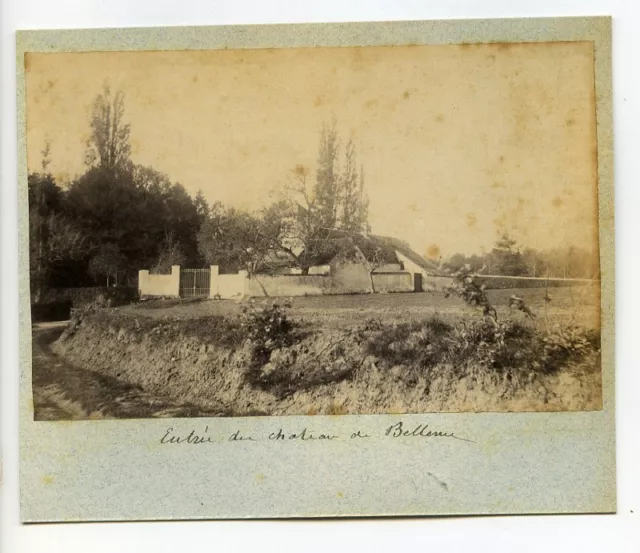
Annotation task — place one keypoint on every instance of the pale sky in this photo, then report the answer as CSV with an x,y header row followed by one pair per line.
x,y
457,142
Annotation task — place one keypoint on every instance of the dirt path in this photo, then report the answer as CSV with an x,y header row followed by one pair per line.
x,y
64,392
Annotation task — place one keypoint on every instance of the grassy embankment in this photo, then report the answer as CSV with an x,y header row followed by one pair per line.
x,y
391,353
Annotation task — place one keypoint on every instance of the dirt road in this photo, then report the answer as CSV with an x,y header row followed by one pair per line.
x,y
64,392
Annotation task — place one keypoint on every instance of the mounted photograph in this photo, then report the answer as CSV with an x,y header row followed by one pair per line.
x,y
368,230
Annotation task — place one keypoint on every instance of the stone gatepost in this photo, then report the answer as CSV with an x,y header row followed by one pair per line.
x,y
175,280
214,289
142,282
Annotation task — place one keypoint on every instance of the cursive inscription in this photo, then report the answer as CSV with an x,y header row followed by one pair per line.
x,y
303,436
191,438
237,437
397,430
419,431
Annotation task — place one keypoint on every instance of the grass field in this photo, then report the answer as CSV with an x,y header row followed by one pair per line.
x,y
580,303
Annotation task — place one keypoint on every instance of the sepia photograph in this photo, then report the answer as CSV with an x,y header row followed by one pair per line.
x,y
304,231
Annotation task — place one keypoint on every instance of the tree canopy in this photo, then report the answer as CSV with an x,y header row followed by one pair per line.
x,y
508,259
108,145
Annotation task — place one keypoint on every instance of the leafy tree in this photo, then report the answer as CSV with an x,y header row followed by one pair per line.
x,y
570,262
121,210
535,262
181,218
350,213
354,204
327,186
339,195
149,180
53,238
170,254
64,241
506,259
302,234
108,262
45,196
201,205
46,157
235,239
108,145
135,208
302,222
363,205
54,241
110,209
565,262
458,261
168,209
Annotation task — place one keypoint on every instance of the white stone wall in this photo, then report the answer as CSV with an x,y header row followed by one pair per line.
x,y
165,286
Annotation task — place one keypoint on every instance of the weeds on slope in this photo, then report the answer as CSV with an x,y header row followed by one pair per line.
x,y
285,358
518,349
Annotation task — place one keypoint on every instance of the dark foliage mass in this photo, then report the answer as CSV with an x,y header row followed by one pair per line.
x,y
107,225
116,218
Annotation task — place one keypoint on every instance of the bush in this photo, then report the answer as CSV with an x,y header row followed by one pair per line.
x,y
467,286
424,343
563,344
267,329
493,345
282,362
482,344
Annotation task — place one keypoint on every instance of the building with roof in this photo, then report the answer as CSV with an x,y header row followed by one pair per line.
x,y
343,262
427,274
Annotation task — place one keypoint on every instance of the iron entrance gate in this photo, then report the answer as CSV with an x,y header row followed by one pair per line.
x,y
195,283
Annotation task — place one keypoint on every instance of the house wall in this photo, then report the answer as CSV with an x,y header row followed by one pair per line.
x,y
289,285
410,266
349,279
393,282
167,286
349,274
429,282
